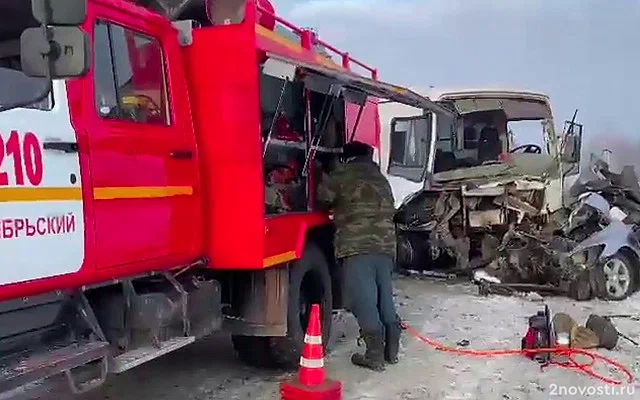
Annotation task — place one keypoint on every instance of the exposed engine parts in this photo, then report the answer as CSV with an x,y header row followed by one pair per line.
x,y
469,225
586,249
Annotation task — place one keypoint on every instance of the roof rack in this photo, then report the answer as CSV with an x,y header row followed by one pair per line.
x,y
309,41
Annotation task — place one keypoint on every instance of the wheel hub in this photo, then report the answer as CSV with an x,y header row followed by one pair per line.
x,y
618,277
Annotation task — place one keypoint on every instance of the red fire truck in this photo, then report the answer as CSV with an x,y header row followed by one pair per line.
x,y
158,161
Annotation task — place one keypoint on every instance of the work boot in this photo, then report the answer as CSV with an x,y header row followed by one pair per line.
x,y
392,342
373,357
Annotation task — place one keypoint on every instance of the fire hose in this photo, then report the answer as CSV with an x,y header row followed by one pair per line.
x,y
566,353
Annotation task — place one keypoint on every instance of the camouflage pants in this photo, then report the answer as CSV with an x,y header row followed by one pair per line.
x,y
369,290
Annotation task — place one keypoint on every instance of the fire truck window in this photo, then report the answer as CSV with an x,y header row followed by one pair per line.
x,y
16,87
106,97
130,76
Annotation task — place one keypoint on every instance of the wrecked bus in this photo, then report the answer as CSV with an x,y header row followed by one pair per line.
x,y
463,179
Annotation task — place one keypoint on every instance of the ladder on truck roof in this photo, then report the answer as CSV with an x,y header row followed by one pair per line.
x,y
307,38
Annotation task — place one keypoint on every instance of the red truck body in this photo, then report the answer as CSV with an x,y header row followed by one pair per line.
x,y
146,212
169,221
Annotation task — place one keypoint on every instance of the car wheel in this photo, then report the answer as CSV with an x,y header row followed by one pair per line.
x,y
618,276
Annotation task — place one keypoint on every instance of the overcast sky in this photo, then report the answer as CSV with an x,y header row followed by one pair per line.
x,y
584,53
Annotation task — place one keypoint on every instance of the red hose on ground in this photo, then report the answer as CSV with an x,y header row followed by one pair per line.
x,y
567,353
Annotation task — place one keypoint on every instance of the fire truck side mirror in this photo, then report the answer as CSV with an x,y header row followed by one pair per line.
x,y
61,12
67,52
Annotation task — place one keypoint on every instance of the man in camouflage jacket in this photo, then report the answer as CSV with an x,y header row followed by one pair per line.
x,y
363,208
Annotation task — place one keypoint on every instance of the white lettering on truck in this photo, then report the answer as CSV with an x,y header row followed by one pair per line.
x,y
14,228
41,209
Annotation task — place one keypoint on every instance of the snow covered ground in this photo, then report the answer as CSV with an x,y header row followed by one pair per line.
x,y
448,313
454,313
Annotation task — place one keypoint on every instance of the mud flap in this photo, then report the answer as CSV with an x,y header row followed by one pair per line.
x,y
260,300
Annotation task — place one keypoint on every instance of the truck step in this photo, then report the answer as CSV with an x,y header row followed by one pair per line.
x,y
141,355
27,368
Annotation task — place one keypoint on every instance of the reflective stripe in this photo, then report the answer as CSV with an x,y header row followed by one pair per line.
x,y
307,363
308,339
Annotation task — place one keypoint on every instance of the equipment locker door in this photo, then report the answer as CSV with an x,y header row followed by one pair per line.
x,y
146,173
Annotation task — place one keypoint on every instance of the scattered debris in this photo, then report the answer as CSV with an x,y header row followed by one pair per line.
x,y
628,339
588,248
439,275
482,275
534,296
631,317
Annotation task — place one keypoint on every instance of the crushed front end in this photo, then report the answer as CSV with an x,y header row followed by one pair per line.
x,y
487,200
466,223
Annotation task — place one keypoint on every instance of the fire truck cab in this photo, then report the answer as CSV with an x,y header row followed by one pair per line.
x,y
158,164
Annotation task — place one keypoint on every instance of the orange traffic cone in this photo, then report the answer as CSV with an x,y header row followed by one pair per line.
x,y
312,359
311,383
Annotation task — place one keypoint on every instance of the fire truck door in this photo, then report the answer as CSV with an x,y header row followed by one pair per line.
x,y
148,213
41,209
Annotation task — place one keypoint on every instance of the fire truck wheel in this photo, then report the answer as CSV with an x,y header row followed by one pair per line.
x,y
309,283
